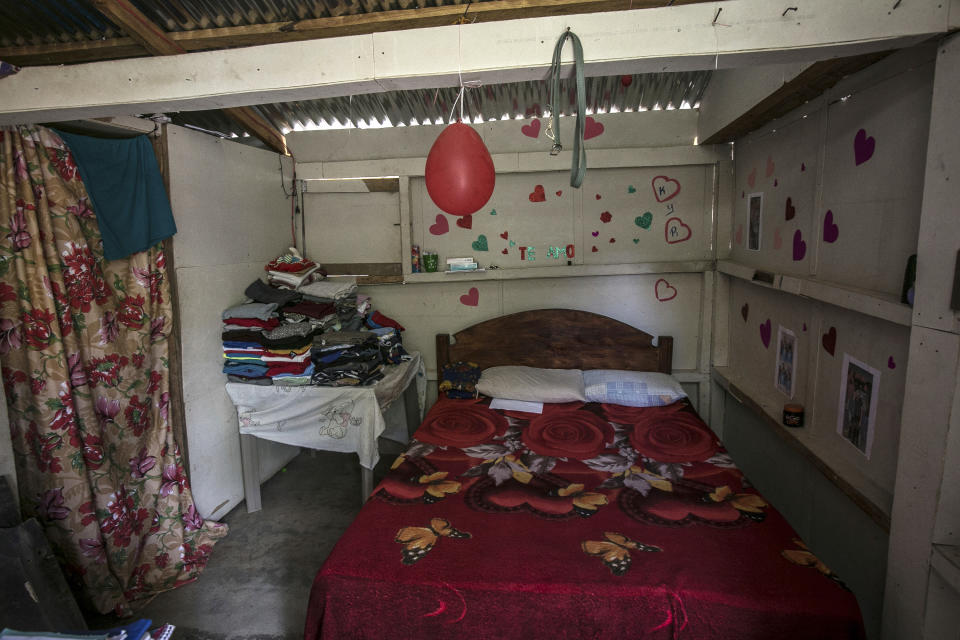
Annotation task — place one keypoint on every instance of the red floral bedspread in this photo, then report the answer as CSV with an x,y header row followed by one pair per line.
x,y
588,521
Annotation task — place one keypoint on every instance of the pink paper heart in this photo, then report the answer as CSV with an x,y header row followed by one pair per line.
x,y
770,166
592,128
799,246
777,239
830,230
441,226
531,130
863,147
752,177
765,333
664,290
471,298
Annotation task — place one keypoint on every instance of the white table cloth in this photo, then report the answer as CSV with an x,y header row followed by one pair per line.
x,y
346,419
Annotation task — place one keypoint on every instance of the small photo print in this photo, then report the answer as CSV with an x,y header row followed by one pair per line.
x,y
859,393
786,372
754,215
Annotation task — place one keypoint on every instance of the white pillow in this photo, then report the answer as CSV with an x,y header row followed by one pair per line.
x,y
631,388
532,384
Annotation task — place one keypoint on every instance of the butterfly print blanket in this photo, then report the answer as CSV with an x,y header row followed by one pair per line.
x,y
585,521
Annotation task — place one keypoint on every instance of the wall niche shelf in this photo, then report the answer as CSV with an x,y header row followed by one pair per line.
x,y
864,493
563,271
869,303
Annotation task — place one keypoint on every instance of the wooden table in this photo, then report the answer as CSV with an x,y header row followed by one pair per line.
x,y
346,419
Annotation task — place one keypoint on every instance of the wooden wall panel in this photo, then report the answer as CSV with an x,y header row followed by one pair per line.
x,y
875,204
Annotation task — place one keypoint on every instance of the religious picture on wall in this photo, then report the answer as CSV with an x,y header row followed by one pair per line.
x,y
754,213
786,371
859,391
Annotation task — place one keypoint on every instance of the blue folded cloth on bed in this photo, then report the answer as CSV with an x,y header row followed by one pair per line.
x,y
126,189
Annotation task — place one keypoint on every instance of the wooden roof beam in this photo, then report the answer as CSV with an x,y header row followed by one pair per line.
x,y
157,42
314,28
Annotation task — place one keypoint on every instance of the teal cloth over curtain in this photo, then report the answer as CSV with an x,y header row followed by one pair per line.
x,y
126,190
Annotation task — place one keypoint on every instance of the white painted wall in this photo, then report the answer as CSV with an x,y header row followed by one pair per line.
x,y
566,216
232,218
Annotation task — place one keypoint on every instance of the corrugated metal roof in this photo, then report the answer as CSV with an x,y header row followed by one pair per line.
x,y
490,102
37,22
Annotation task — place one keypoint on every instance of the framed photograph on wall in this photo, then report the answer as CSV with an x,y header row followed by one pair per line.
x,y
754,220
786,370
859,395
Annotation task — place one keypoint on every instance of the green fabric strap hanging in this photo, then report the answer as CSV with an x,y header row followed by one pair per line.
x,y
578,167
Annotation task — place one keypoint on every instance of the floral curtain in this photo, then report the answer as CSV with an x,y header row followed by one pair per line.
x,y
84,354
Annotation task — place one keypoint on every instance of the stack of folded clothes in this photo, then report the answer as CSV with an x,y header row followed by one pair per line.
x,y
259,349
339,292
343,358
242,334
391,345
291,270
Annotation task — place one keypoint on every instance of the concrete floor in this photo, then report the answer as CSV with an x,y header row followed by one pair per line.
x,y
257,582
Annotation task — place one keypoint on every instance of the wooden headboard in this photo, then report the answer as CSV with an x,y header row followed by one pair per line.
x,y
557,339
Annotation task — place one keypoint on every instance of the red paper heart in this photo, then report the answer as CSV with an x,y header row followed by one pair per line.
x,y
752,177
595,249
770,166
675,230
559,193
441,226
504,235
504,252
598,196
471,298
664,290
612,240
605,217
592,129
829,340
745,311
531,130
665,188
538,195
465,222
790,211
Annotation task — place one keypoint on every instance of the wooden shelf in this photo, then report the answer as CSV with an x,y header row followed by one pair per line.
x,y
563,271
860,489
869,303
946,561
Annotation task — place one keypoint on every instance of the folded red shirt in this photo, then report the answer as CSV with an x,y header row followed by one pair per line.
x,y
384,321
272,323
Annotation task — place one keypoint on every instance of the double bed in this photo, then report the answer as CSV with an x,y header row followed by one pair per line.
x,y
587,520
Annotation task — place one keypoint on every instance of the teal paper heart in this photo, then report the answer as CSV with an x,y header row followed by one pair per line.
x,y
512,243
631,189
636,241
644,221
493,212
480,244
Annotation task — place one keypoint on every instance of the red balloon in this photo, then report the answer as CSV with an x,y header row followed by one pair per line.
x,y
459,172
